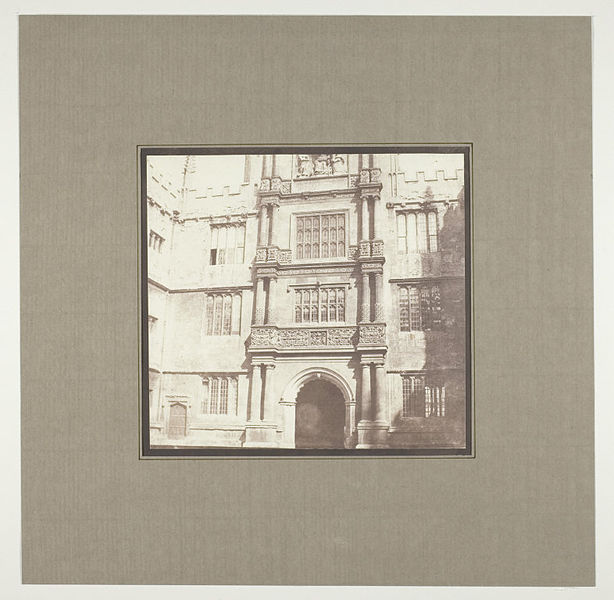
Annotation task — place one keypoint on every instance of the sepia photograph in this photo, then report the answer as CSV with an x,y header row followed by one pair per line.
x,y
306,301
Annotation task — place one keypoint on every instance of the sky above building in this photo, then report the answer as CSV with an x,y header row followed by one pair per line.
x,y
216,171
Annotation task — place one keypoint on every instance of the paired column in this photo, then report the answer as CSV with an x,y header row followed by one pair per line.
x,y
275,167
373,394
255,405
366,299
262,380
267,166
365,392
380,393
379,300
273,225
270,306
259,314
364,213
262,222
269,395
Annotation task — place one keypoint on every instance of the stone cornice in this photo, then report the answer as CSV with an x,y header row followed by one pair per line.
x,y
212,289
426,279
315,269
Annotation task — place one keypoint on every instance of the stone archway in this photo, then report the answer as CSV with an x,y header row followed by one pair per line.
x,y
327,386
320,416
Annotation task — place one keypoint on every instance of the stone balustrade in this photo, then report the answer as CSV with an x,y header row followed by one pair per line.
x,y
281,338
303,337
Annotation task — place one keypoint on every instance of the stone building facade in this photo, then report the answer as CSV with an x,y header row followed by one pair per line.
x,y
320,302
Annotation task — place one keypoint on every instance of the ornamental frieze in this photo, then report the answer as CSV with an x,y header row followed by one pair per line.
x,y
372,333
302,337
313,165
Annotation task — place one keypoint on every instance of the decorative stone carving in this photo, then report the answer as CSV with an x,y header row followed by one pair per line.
x,y
354,179
275,184
340,336
322,165
261,254
364,249
284,188
338,164
372,333
302,337
370,175
377,248
317,338
264,336
353,252
265,185
305,165
271,254
293,337
310,165
284,257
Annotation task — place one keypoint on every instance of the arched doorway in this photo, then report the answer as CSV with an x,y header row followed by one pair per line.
x,y
320,415
177,421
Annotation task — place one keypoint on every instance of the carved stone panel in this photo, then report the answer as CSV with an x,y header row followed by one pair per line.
x,y
364,249
260,254
272,254
264,337
313,165
377,248
372,333
302,337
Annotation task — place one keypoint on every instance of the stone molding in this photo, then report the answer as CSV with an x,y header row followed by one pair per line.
x,y
372,334
283,338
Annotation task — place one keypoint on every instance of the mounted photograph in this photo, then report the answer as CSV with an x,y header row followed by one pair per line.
x,y
306,301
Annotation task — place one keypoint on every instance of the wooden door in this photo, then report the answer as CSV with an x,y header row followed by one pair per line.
x,y
177,421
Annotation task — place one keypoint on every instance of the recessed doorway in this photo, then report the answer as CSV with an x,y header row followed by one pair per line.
x,y
320,416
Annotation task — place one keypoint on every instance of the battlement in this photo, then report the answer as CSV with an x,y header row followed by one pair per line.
x,y
433,176
226,191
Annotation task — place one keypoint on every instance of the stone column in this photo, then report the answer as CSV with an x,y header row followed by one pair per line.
x,y
247,169
376,223
381,414
269,391
379,300
259,314
266,166
254,411
365,298
275,167
365,392
273,225
262,220
365,218
270,306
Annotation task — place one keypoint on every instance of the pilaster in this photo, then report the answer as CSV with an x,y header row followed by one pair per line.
x,y
259,312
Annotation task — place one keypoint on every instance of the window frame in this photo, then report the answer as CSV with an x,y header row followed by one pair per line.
x,y
220,232
421,220
226,401
319,213
222,313
322,287
420,307
428,403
